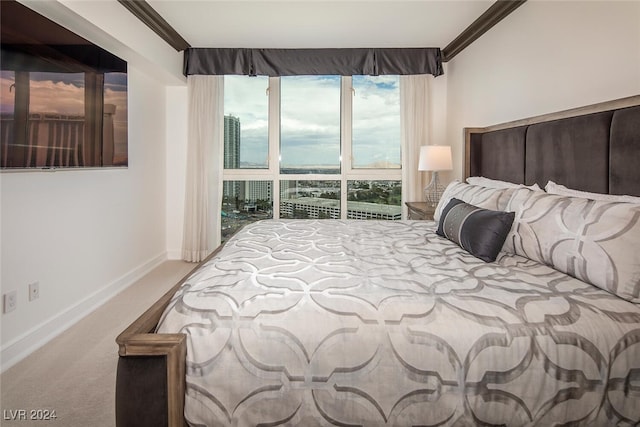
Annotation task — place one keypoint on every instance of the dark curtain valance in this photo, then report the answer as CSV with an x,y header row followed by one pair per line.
x,y
291,62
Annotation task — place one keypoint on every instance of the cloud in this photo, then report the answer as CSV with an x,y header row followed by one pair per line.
x,y
310,119
247,98
376,120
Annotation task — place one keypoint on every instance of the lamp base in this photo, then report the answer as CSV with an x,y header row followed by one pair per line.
x,y
433,191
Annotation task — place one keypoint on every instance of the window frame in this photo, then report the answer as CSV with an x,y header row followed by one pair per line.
x,y
347,172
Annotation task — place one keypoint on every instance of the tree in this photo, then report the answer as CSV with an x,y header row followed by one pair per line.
x,y
300,213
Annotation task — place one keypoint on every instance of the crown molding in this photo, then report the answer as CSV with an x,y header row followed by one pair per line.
x,y
152,19
496,13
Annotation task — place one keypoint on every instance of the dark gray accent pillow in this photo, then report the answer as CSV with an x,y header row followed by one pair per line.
x,y
481,232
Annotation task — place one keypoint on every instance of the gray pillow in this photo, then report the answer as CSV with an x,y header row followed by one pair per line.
x,y
481,232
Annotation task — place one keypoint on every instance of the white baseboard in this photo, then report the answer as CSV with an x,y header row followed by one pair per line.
x,y
22,346
174,255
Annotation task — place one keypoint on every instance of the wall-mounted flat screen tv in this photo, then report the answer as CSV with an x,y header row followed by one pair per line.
x,y
63,99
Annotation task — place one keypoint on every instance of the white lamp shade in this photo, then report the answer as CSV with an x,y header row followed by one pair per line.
x,y
435,158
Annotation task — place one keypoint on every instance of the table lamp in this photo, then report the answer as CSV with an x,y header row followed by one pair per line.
x,y
434,158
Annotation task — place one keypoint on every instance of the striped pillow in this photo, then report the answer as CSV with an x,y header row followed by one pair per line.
x,y
481,232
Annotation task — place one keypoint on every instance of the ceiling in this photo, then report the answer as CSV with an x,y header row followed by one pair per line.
x,y
319,24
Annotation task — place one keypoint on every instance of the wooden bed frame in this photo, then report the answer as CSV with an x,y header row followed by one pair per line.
x,y
137,344
150,383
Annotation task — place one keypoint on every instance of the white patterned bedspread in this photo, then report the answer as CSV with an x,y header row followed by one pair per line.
x,y
376,323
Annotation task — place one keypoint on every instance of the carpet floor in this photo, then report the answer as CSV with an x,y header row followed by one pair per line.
x,y
74,374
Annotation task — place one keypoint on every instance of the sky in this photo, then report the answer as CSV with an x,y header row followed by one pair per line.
x,y
310,119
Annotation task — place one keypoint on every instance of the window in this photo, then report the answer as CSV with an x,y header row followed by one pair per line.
x,y
244,202
246,118
322,146
376,122
374,200
310,124
309,199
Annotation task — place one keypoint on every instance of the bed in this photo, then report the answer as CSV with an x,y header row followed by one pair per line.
x,y
330,322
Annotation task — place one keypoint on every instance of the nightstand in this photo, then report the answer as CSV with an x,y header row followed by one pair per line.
x,y
420,210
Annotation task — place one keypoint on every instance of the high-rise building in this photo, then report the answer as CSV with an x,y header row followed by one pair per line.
x,y
231,153
258,190
231,142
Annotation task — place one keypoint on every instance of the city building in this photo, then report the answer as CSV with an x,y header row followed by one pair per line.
x,y
232,189
316,207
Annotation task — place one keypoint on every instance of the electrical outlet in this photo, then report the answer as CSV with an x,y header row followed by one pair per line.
x,y
34,291
10,300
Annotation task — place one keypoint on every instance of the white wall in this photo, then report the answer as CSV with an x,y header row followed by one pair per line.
x,y
83,234
87,234
544,57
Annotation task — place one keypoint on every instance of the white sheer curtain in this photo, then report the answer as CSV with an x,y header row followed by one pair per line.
x,y
414,123
205,147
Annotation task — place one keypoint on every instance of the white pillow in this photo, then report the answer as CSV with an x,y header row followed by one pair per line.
x,y
495,183
553,188
483,197
595,241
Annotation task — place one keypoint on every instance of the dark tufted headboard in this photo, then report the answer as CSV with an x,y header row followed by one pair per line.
x,y
594,148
